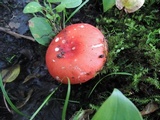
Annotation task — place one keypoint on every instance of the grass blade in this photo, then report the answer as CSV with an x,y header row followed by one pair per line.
x,y
66,101
76,10
41,106
8,99
117,73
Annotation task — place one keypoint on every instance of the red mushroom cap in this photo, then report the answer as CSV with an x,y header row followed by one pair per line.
x,y
78,52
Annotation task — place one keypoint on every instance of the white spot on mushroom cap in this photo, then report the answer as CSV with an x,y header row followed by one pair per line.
x,y
83,73
77,68
56,49
57,78
75,60
57,39
53,60
63,67
79,76
82,26
73,48
63,41
97,45
75,29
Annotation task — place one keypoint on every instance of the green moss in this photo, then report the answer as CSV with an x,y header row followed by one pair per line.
x,y
134,47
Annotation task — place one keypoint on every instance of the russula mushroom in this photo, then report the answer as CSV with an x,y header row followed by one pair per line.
x,y
77,53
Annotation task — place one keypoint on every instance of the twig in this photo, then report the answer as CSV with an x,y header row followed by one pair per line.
x,y
15,34
5,102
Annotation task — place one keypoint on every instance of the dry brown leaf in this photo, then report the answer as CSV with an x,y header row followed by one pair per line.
x,y
149,108
14,25
26,99
29,77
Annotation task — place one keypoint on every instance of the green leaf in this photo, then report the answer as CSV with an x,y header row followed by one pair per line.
x,y
107,4
10,74
32,7
41,30
117,107
54,1
60,7
67,3
71,3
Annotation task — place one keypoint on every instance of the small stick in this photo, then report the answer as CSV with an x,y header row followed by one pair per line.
x,y
16,34
5,102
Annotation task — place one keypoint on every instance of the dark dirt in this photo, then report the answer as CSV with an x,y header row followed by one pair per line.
x,y
31,57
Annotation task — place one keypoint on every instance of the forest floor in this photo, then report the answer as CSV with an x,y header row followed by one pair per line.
x,y
128,52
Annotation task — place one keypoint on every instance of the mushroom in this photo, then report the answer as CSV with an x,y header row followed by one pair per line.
x,y
77,53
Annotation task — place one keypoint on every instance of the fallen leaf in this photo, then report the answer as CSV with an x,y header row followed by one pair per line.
x,y
26,99
11,73
29,77
149,108
14,25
